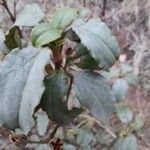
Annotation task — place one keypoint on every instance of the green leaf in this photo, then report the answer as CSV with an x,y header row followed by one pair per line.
x,y
127,143
64,17
44,33
30,15
124,113
94,93
12,39
54,99
138,123
97,38
81,50
86,60
120,89
21,86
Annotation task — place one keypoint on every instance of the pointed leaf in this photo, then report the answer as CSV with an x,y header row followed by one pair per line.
x,y
64,17
44,33
53,99
12,39
30,15
94,93
97,38
21,86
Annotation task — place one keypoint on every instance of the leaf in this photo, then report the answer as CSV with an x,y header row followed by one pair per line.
x,y
85,138
86,61
21,86
69,147
64,17
113,73
127,143
97,38
126,68
120,89
42,122
94,93
124,113
138,123
131,79
3,47
85,13
44,33
12,39
30,15
53,100
81,50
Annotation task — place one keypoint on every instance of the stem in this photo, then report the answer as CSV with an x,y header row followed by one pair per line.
x,y
15,4
70,85
12,17
103,127
104,8
84,3
5,5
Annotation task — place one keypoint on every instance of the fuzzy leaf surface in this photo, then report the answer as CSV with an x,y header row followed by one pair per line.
x,y
21,86
94,94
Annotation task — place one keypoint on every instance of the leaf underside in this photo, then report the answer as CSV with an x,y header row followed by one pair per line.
x,y
21,86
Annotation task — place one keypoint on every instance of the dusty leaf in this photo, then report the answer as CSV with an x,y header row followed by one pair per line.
x,y
30,15
97,38
126,143
21,86
94,94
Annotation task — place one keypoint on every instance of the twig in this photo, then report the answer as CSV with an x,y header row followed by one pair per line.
x,y
12,17
107,129
102,126
104,8
84,3
15,4
5,5
70,85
